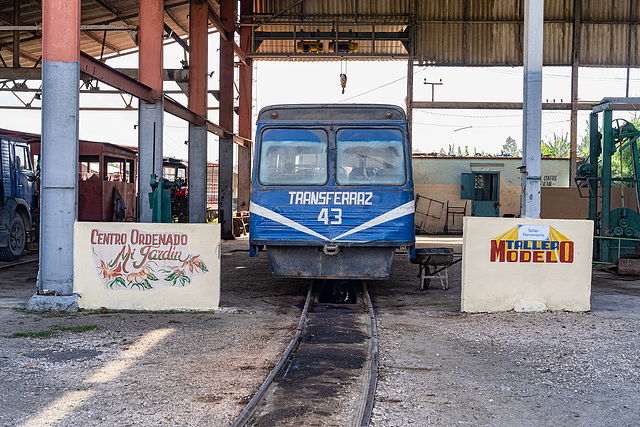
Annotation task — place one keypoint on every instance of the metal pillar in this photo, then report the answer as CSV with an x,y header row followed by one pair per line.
x,y
605,183
245,105
225,177
60,130
410,101
594,152
532,109
198,12
575,63
16,34
150,115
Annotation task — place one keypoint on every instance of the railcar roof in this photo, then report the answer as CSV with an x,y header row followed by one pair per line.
x,y
331,113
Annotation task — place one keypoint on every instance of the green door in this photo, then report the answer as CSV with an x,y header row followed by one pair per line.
x,y
486,197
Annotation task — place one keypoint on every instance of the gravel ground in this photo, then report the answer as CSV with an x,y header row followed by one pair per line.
x,y
186,369
437,366
441,367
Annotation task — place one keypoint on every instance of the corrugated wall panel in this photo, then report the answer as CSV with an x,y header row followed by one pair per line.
x,y
635,52
609,10
606,45
452,10
558,10
557,43
477,46
430,38
507,44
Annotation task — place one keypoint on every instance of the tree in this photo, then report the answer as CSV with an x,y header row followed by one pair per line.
x,y
510,148
557,147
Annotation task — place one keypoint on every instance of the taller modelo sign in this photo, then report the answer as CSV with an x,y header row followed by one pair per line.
x,y
532,243
526,264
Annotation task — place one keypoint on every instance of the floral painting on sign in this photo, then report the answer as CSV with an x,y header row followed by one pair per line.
x,y
140,260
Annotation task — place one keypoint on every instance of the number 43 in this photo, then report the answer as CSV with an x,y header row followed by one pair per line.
x,y
324,216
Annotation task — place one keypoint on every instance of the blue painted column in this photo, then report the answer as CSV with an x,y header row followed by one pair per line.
x,y
59,151
532,110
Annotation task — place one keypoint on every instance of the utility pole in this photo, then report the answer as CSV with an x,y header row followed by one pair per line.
x,y
433,87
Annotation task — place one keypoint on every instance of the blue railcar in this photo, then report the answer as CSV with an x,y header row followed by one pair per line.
x,y
332,190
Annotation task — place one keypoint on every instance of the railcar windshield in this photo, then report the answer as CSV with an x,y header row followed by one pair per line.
x,y
293,157
370,157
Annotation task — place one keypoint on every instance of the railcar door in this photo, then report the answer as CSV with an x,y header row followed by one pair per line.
x,y
23,173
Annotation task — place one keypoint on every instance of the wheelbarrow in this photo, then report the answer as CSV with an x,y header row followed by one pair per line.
x,y
433,264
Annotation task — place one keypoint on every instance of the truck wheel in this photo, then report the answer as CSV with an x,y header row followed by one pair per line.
x,y
17,240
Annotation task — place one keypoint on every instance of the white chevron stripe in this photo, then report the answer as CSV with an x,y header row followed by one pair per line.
x,y
406,209
259,210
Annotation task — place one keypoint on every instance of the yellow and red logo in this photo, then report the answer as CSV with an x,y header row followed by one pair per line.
x,y
532,243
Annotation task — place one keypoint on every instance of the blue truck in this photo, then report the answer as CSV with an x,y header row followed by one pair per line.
x,y
18,204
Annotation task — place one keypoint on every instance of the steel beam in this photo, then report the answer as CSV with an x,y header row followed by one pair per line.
x,y
245,106
198,59
96,27
226,33
328,56
553,106
169,74
176,37
119,15
532,109
225,157
102,72
261,36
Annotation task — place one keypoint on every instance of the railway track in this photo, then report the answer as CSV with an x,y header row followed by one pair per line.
x,y
23,260
328,373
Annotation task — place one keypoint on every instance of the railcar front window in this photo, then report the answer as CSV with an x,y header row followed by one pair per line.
x,y
293,157
370,157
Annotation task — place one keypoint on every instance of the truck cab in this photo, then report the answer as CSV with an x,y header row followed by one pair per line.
x,y
18,201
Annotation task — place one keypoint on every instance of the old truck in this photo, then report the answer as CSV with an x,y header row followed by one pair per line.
x,y
18,204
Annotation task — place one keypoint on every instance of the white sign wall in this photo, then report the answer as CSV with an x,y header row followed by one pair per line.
x,y
526,264
139,266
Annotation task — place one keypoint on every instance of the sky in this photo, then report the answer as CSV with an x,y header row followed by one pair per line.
x,y
367,82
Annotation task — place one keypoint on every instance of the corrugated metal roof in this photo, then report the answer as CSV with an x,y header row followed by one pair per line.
x,y
447,32
114,12
478,32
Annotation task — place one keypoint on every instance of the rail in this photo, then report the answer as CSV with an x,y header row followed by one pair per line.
x,y
248,411
367,383
373,368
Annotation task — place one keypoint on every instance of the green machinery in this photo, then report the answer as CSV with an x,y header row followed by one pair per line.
x,y
160,198
614,230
